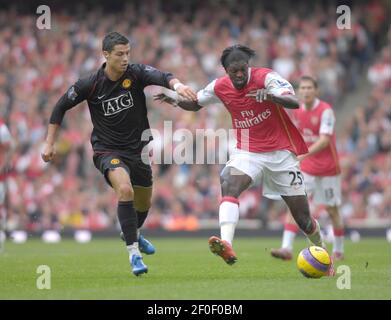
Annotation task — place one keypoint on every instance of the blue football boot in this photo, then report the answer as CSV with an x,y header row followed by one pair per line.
x,y
138,266
145,246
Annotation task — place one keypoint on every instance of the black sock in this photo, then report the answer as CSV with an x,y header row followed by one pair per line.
x,y
141,216
127,217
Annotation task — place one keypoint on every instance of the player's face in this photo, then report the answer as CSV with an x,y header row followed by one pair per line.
x,y
307,91
118,58
238,73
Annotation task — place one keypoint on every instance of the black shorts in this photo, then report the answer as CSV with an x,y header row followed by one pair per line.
x,y
140,173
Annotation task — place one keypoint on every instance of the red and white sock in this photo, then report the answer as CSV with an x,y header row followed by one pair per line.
x,y
289,235
338,240
228,217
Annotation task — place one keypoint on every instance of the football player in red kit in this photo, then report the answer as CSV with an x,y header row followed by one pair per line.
x,y
268,143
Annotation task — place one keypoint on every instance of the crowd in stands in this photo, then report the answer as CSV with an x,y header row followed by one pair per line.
x,y
38,66
365,146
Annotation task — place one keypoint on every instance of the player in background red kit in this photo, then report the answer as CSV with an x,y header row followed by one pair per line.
x,y
268,143
316,121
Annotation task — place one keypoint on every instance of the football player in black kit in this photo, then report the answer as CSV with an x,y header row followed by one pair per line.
x,y
118,111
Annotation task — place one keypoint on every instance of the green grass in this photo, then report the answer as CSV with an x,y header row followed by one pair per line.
x,y
185,269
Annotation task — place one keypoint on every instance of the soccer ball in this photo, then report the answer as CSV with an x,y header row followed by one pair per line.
x,y
313,262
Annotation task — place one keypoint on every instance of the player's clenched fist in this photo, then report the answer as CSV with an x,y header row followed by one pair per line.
x,y
48,152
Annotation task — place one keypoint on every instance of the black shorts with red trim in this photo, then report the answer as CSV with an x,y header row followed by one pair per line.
x,y
138,167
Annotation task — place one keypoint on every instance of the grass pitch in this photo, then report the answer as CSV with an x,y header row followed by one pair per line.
x,y
185,269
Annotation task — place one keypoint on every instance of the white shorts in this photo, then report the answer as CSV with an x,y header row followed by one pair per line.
x,y
324,190
279,171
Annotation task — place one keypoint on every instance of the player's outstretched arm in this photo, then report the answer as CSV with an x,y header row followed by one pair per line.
x,y
152,76
184,91
75,94
189,105
178,102
49,151
204,97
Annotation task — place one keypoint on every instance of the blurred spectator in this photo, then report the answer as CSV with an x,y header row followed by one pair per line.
x,y
366,147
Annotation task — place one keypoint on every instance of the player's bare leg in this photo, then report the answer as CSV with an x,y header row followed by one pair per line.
x,y
298,206
233,183
338,228
127,217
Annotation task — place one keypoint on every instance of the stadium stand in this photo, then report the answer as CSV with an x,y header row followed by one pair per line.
x,y
37,66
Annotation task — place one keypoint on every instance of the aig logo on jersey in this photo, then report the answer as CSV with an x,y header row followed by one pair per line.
x,y
117,104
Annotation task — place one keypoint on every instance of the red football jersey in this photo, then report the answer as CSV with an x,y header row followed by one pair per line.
x,y
312,123
259,126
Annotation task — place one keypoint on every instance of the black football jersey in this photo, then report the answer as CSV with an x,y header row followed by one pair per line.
x,y
118,108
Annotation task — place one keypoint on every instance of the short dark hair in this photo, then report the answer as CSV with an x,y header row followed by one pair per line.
x,y
236,53
111,39
309,78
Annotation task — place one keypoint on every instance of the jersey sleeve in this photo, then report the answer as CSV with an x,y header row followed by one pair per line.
x,y
207,96
277,85
77,93
327,122
152,76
